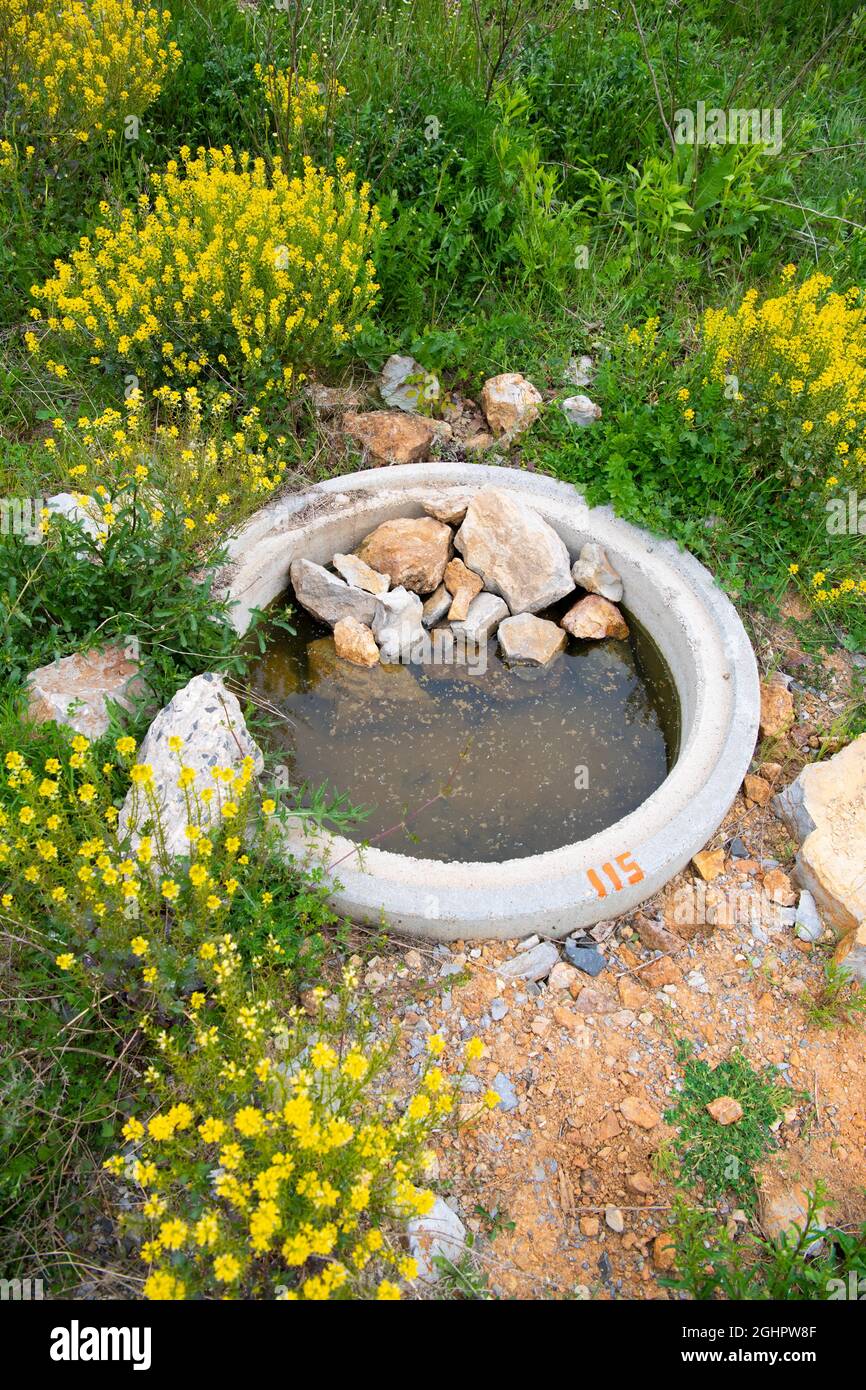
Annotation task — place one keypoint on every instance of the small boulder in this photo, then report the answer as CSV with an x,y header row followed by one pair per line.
x,y
333,400
77,689
449,510
207,718
783,1212
709,863
756,789
354,641
397,625
777,709
825,811
639,1112
390,436
580,410
436,606
725,1110
594,618
525,640
510,403
328,597
463,585
807,923
411,551
593,571
406,385
484,616
664,1251
440,1234
359,574
534,964
517,553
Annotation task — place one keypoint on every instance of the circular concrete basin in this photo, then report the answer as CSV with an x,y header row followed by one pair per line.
x,y
696,629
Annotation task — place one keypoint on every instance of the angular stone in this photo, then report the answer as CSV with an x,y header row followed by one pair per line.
x,y
580,410
778,888
440,1234
655,937
725,1110
327,597
585,958
777,709
850,954
594,618
563,976
664,1251
451,511
411,551
67,506
825,812
390,436
463,585
516,552
709,863
397,624
641,1184
808,924
756,789
77,689
639,1112
510,403
783,1210
436,606
405,385
208,719
353,641
594,1001
358,573
593,571
525,640
631,995
534,964
485,614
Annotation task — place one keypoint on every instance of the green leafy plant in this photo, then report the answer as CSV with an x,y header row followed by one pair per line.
x,y
711,1263
723,1157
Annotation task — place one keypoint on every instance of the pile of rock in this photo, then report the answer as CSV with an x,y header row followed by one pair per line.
x,y
405,580
419,415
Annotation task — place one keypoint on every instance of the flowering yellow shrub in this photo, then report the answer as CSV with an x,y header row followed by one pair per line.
x,y
281,1165
299,102
795,363
217,470
87,65
270,1157
130,909
225,270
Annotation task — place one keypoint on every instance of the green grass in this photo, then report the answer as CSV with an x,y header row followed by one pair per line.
x,y
723,1157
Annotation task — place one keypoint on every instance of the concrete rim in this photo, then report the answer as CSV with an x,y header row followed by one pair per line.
x,y
697,629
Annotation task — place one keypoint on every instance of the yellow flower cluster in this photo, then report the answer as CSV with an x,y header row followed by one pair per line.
x,y
797,361
299,102
226,270
285,1183
87,65
217,468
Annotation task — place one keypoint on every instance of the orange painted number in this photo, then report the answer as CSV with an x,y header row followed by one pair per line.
x,y
627,865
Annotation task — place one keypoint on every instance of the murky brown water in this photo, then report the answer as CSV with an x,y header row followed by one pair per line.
x,y
487,766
